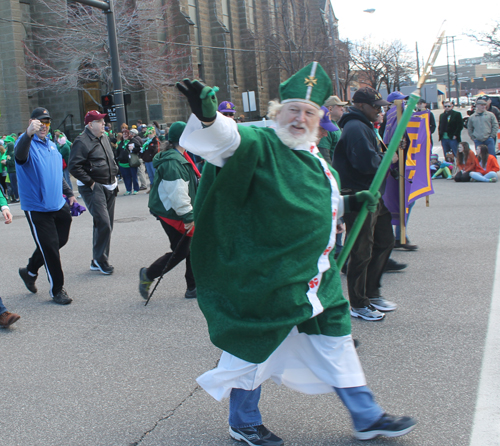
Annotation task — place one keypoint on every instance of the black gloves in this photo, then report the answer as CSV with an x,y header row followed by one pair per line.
x,y
201,98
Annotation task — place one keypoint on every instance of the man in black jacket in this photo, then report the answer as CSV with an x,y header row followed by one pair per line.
x,y
92,163
450,128
357,158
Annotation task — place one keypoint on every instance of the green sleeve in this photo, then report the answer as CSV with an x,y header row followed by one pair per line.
x,y
3,201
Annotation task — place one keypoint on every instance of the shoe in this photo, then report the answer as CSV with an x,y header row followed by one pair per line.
x,y
392,265
79,196
144,283
190,294
382,304
389,426
135,192
407,245
62,298
369,313
7,319
143,188
493,180
28,280
104,267
127,193
255,436
93,266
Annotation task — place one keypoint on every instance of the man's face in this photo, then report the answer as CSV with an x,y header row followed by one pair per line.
x,y
126,134
448,106
229,115
421,106
44,128
480,108
336,112
321,133
371,111
97,127
300,117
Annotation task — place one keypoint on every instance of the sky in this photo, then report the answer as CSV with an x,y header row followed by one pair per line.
x,y
418,21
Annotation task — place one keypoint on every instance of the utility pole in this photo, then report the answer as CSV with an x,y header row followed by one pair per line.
x,y
448,69
418,63
107,7
457,85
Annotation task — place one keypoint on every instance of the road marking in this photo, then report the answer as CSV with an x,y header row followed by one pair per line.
x,y
486,427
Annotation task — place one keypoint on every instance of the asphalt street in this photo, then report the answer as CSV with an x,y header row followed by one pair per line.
x,y
107,371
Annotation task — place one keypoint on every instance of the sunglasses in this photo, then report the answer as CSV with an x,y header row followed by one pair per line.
x,y
228,114
45,123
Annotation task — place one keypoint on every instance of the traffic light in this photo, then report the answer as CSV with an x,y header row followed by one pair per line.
x,y
107,100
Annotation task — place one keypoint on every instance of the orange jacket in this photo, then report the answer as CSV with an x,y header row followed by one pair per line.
x,y
491,165
470,165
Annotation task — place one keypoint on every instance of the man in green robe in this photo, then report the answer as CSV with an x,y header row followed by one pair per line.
x,y
265,215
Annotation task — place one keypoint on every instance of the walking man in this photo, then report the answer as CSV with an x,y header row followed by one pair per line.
x,y
92,163
483,127
41,187
262,255
357,158
450,128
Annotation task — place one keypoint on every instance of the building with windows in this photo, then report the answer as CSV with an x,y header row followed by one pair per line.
x,y
238,45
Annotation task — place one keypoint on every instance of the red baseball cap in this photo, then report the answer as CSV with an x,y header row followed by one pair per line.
x,y
93,115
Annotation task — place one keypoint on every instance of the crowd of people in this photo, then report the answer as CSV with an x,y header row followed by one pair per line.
x,y
316,164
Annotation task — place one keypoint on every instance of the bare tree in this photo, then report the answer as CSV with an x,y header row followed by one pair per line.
x,y
69,49
296,38
347,73
390,64
490,39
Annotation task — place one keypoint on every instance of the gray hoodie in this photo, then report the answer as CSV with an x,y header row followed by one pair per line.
x,y
482,126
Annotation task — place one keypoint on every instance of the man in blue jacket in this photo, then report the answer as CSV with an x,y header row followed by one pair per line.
x,y
41,187
357,158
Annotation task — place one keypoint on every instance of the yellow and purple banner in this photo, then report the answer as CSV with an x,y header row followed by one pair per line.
x,y
417,173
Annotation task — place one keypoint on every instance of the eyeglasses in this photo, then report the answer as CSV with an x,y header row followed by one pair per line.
x,y
447,106
45,123
376,107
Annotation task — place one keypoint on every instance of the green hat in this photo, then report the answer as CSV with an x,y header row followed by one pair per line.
x,y
9,139
310,85
175,131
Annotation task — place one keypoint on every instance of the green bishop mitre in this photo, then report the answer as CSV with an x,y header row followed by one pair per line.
x,y
311,85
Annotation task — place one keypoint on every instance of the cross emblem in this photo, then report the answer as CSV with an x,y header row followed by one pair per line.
x,y
310,81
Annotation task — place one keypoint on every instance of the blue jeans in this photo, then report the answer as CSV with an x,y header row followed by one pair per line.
x,y
490,142
129,175
2,307
484,178
67,177
13,185
449,145
244,410
151,172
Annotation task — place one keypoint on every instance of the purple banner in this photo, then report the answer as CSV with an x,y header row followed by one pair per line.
x,y
417,175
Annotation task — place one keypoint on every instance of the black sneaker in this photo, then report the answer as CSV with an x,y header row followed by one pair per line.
x,y
62,298
104,267
392,265
389,426
191,294
408,246
93,266
255,436
28,280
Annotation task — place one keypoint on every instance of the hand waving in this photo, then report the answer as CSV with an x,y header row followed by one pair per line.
x,y
201,98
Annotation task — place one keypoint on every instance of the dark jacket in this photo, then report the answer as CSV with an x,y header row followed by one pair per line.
x,y
123,152
11,162
357,155
454,127
151,150
91,159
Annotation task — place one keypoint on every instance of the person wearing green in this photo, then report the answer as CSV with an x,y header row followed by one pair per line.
x,y
262,256
327,144
64,147
10,164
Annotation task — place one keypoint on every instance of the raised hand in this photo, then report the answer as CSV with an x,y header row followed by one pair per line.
x,y
201,98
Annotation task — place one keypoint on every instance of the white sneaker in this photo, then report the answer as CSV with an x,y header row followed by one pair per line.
x,y
382,304
369,313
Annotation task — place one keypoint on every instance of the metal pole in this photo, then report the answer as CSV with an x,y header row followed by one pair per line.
x,y
115,66
418,63
457,86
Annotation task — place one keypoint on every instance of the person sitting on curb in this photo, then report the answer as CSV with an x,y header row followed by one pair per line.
x,y
466,163
487,167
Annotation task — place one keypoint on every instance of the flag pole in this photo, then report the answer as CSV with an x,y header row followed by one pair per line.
x,y
391,150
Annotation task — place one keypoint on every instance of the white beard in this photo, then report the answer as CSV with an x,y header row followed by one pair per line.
x,y
293,141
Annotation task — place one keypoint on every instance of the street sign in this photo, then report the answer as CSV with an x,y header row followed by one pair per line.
x,y
111,112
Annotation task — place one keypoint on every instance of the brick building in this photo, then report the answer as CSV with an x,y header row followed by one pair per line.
x,y
238,45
